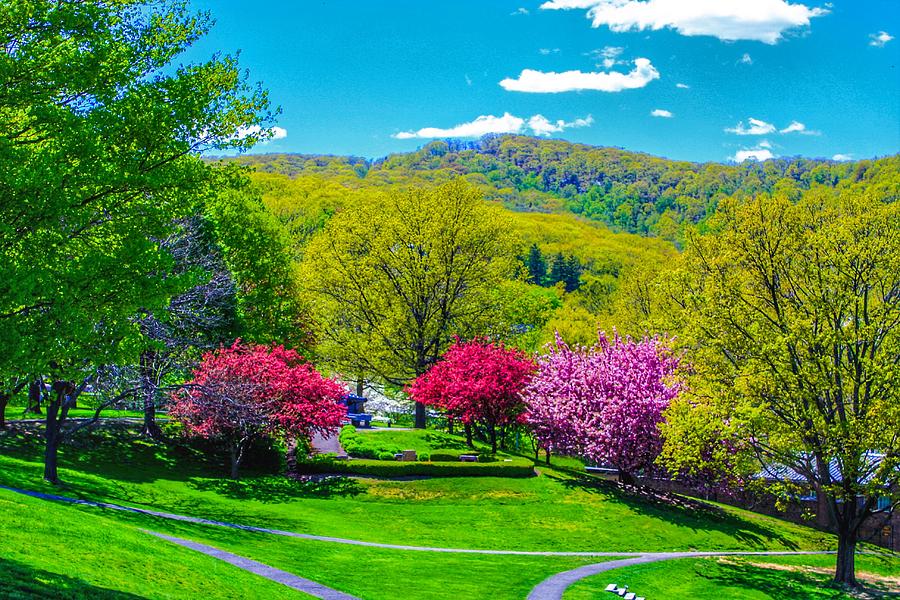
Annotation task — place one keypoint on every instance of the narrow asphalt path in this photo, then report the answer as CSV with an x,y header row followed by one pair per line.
x,y
555,586
307,586
326,445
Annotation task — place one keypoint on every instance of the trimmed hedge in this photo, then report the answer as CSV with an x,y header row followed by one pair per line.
x,y
518,467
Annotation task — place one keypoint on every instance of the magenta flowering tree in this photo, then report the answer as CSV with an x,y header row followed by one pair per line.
x,y
477,382
604,402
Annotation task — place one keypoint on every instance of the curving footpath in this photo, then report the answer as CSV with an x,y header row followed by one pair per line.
x,y
551,588
307,586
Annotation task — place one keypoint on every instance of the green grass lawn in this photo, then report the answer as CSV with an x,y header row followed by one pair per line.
x,y
18,412
555,511
421,440
751,578
57,551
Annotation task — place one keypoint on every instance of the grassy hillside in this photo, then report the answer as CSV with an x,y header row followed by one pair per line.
x,y
555,511
57,551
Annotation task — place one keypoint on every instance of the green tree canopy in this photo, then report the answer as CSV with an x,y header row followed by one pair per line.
x,y
792,314
392,279
99,136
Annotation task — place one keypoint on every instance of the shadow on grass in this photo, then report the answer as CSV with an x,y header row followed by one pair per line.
x,y
280,489
778,583
681,511
19,580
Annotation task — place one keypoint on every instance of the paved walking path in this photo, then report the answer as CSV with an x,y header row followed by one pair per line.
x,y
307,586
322,445
555,586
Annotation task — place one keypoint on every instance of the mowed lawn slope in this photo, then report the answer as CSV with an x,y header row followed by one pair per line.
x,y
554,511
49,550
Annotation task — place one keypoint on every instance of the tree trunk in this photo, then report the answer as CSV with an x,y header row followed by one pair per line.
x,y
420,416
468,428
625,477
34,397
4,400
845,572
148,393
236,454
547,455
52,431
450,425
360,386
493,439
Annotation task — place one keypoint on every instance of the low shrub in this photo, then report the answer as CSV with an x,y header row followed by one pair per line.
x,y
424,457
518,467
386,456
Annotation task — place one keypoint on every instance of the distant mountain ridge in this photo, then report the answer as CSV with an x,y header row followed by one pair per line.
x,y
629,191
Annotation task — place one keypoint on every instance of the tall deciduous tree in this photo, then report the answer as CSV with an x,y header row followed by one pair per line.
x,y
605,402
100,132
392,280
479,383
793,314
243,393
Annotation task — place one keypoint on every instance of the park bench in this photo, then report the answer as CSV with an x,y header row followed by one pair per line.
x,y
468,458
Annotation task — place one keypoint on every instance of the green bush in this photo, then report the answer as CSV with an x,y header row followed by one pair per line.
x,y
386,456
424,457
518,467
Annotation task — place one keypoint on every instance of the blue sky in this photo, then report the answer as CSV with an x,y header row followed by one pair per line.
x,y
726,79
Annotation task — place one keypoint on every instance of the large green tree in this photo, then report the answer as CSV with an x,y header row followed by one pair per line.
x,y
99,137
792,314
392,279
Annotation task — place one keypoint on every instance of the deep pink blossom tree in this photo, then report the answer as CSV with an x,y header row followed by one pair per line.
x,y
477,382
246,392
604,402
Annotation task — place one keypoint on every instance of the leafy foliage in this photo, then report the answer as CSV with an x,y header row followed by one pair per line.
x,y
477,382
243,393
605,402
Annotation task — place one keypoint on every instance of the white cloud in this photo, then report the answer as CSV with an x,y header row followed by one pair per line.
x,y
274,133
759,154
757,127
880,39
682,86
519,11
729,20
764,144
468,79
842,157
745,59
546,51
551,82
607,57
538,125
659,112
798,127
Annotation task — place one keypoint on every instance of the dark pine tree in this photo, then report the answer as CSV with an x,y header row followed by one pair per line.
x,y
537,266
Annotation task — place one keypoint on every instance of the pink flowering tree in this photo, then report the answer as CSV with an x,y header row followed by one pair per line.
x,y
246,392
477,382
605,402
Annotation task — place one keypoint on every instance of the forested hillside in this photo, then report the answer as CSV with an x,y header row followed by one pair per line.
x,y
628,191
